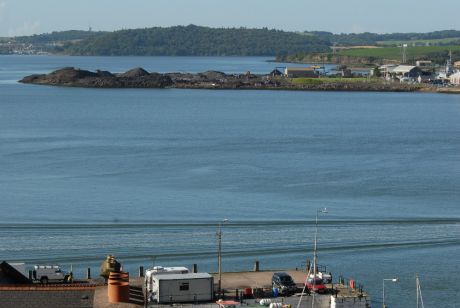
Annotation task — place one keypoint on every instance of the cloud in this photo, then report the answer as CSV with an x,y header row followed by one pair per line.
x,y
27,28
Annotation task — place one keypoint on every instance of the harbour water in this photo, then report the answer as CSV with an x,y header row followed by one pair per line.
x,y
148,174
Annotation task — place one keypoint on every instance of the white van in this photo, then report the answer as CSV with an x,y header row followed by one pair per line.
x,y
47,273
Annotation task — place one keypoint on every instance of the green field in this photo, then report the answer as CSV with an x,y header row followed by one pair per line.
x,y
431,42
329,80
395,52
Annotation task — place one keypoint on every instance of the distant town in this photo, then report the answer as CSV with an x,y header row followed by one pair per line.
x,y
421,72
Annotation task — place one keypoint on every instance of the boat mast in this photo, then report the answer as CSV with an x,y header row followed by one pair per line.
x,y
315,255
314,260
304,287
324,210
419,292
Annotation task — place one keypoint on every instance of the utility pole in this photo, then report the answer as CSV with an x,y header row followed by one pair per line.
x,y
404,59
219,252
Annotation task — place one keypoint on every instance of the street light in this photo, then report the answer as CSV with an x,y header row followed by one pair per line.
x,y
323,211
383,289
219,251
315,256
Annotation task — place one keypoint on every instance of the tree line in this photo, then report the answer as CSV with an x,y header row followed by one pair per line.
x,y
367,38
196,41
204,41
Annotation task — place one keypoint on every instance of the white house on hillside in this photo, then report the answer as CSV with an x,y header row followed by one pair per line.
x,y
455,78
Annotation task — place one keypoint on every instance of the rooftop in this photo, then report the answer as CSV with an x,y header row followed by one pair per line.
x,y
183,276
403,68
300,69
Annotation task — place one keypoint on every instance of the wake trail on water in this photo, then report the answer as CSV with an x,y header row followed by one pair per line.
x,y
127,255
233,224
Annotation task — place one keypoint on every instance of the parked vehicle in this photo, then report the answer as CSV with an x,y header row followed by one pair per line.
x,y
181,288
48,273
284,283
315,284
327,278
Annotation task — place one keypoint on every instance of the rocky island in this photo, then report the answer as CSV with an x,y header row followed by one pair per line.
x,y
140,78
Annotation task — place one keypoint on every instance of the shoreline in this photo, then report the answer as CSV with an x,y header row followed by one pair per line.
x,y
214,80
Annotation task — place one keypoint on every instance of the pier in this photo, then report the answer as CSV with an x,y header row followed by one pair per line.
x,y
251,286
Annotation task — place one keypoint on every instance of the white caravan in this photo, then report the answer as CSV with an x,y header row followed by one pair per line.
x,y
160,270
181,288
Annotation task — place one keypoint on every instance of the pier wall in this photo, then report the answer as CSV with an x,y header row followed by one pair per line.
x,y
350,302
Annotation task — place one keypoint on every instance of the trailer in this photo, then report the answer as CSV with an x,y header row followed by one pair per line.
x,y
181,288
160,270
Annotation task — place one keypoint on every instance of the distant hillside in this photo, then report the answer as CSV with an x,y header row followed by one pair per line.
x,y
61,36
43,43
197,41
380,55
373,48
204,41
444,37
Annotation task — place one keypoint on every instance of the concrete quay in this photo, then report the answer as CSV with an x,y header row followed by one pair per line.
x,y
342,297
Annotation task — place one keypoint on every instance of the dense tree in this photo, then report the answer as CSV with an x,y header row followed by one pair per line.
x,y
60,36
367,38
203,41
197,41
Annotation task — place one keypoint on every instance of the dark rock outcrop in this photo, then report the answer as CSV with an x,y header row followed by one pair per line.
x,y
134,73
213,75
64,76
140,78
72,77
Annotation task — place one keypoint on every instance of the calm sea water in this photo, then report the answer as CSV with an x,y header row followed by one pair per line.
x,y
148,174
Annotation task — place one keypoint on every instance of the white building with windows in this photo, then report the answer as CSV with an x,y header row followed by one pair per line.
x,y
455,79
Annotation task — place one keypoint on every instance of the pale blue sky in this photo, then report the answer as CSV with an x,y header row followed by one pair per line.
x,y
24,17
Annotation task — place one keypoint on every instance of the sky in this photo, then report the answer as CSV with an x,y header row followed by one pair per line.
x,y
26,17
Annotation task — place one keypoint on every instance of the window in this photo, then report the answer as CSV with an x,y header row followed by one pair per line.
x,y
184,286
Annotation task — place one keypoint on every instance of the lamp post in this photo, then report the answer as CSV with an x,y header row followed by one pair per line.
x,y
219,252
315,256
383,288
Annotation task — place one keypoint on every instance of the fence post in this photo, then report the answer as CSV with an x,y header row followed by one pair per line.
x,y
141,271
256,266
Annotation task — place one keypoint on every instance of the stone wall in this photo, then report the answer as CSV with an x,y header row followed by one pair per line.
x,y
28,297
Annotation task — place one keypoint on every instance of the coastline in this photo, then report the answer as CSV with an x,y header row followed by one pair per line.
x,y
214,80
